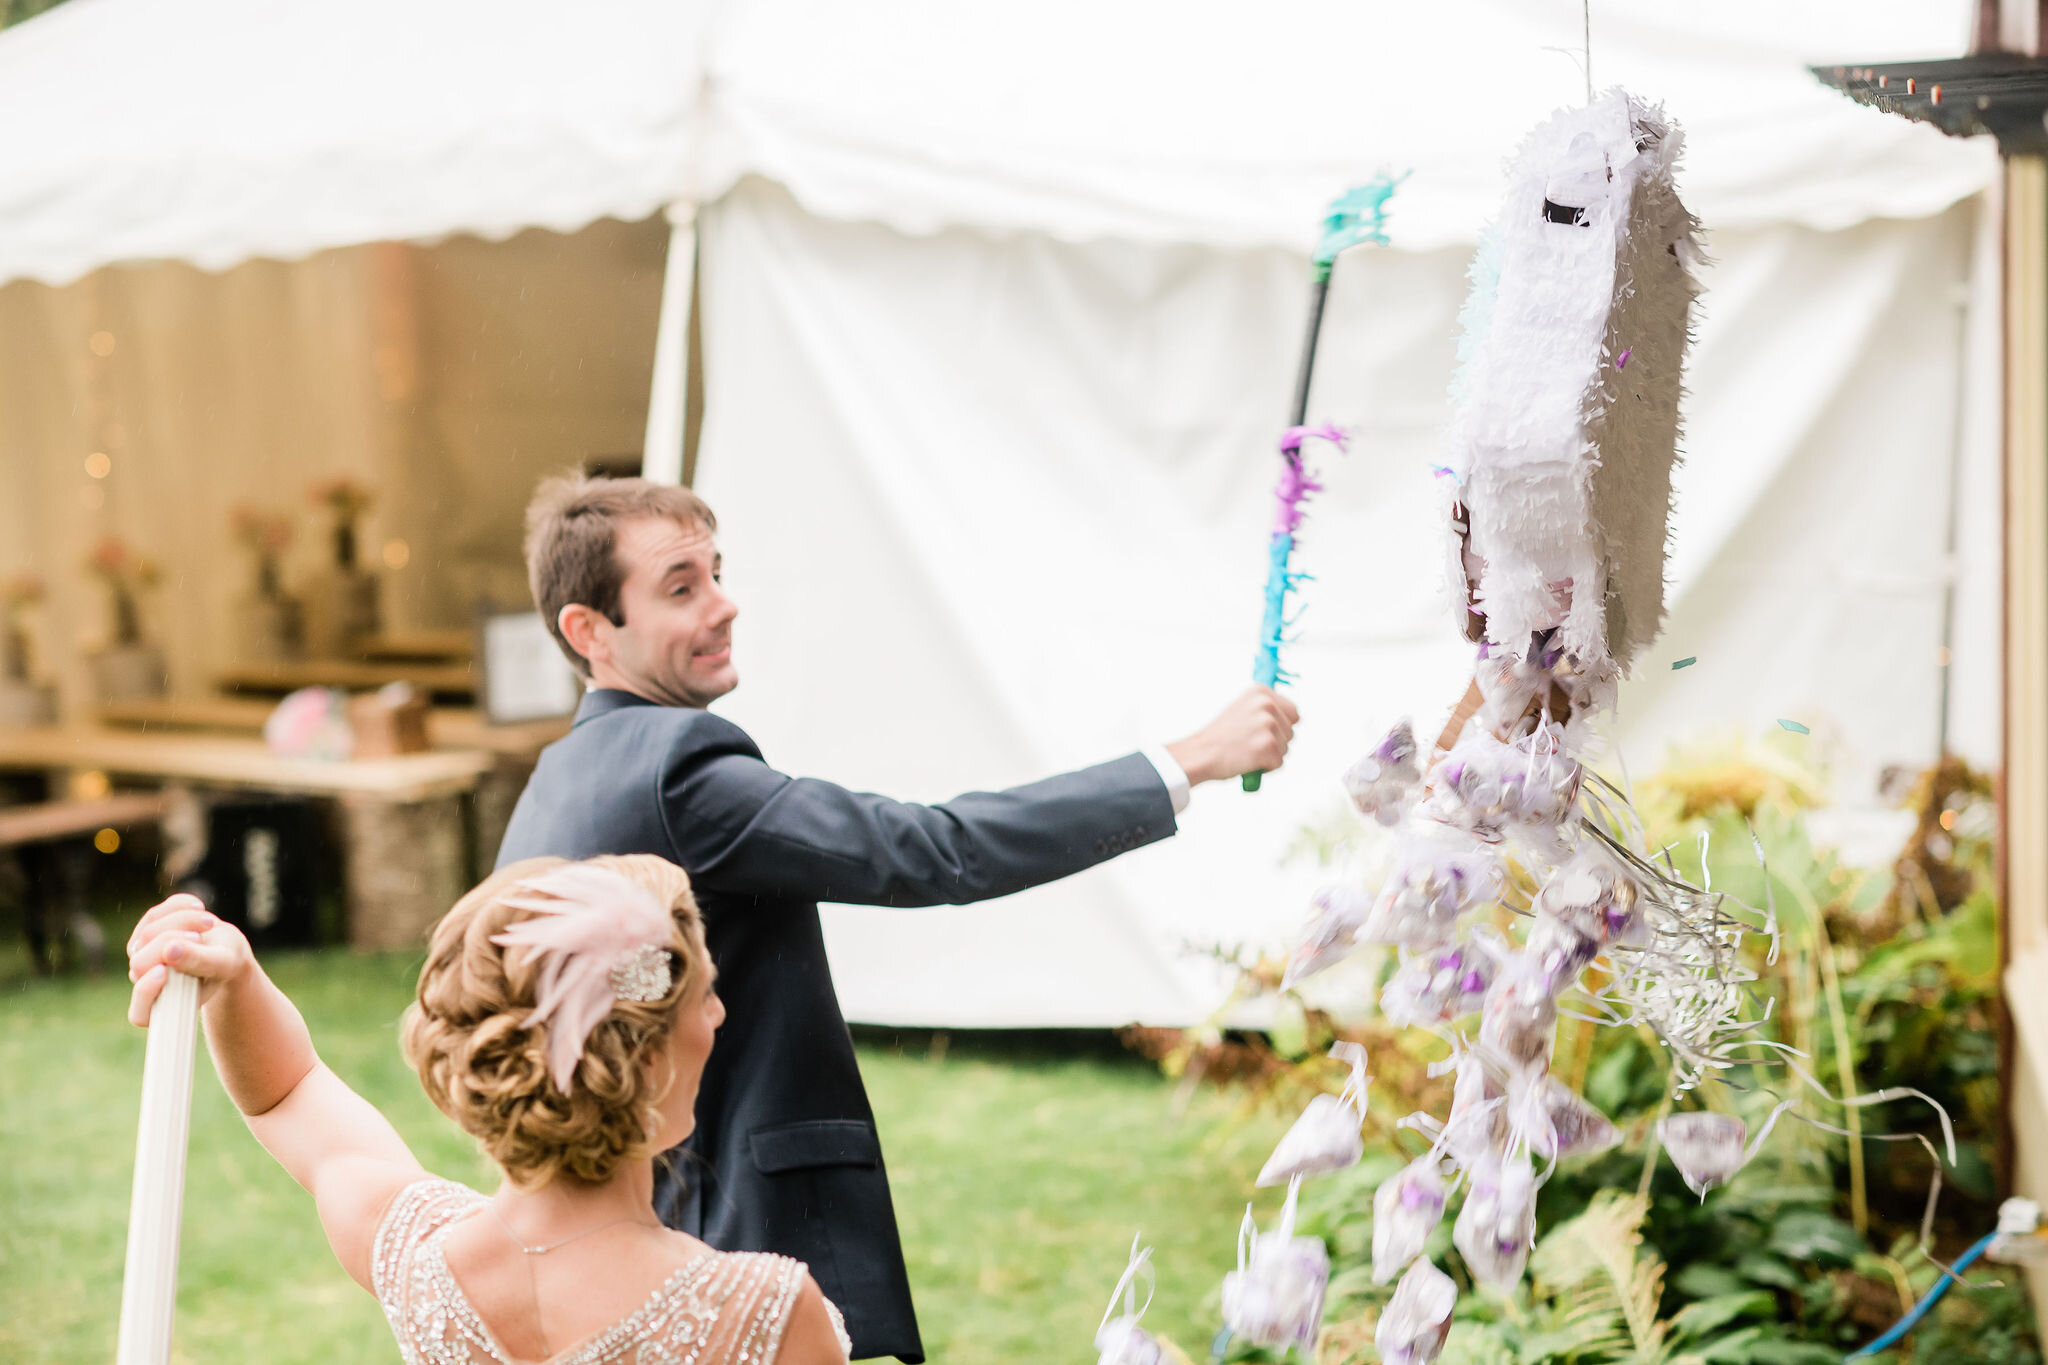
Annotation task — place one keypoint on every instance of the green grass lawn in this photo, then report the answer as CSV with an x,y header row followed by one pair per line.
x,y
1021,1168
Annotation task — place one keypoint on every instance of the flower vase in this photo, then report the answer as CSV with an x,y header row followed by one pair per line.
x,y
130,668
129,672
357,601
269,623
345,607
22,702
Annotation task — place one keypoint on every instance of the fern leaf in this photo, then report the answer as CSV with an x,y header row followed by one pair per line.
x,y
1595,1259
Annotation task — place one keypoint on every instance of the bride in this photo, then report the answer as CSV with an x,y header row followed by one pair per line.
x,y
564,1014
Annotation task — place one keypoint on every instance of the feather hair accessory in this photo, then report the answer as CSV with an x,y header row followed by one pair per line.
x,y
600,938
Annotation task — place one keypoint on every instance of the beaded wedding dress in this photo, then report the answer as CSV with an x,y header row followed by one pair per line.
x,y
724,1308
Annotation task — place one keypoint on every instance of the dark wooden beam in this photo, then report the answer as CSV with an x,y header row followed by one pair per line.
x,y
2000,93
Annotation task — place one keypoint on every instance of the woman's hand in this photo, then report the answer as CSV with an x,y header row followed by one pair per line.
x,y
182,933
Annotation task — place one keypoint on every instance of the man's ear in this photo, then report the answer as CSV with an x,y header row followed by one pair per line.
x,y
579,626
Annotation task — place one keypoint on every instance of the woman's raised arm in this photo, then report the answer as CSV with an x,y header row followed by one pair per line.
x,y
328,1138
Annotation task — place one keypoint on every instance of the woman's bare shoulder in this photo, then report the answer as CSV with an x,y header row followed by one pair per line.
x,y
816,1333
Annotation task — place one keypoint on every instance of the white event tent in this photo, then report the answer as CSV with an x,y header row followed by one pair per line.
x,y
999,309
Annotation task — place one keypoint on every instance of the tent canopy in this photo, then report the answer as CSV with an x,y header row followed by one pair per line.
x,y
212,131
1013,296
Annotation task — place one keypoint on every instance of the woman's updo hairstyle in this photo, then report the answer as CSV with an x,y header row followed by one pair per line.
x,y
483,1067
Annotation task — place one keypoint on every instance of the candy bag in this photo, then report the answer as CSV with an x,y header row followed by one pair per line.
x,y
1706,1148
1417,1320
1476,1126
1405,1210
1436,986
1552,1120
1497,1227
1561,951
1489,787
1519,1022
1590,894
1336,915
1275,1296
1437,875
1325,1137
1381,782
1120,1341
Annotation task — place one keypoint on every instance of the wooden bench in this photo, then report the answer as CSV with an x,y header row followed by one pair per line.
x,y
45,837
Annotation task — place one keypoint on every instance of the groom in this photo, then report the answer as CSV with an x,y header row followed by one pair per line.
x,y
627,574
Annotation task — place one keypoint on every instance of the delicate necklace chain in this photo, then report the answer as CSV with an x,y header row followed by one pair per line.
x,y
544,1250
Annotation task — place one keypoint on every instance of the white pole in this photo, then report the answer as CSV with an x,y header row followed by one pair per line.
x,y
661,455
149,1285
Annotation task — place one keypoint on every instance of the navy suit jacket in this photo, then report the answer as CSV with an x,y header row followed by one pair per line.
x,y
785,1149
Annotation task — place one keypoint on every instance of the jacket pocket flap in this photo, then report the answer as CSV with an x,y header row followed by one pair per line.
x,y
817,1142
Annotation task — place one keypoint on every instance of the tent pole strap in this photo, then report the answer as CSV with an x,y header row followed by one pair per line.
x,y
661,455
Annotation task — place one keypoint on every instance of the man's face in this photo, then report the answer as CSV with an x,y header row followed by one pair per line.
x,y
676,644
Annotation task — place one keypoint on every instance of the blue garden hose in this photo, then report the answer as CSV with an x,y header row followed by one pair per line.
x,y
1905,1324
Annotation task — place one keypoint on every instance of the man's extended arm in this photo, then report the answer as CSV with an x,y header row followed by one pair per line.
x,y
743,828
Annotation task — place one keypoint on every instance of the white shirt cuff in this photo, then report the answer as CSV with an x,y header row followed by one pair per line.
x,y
1170,773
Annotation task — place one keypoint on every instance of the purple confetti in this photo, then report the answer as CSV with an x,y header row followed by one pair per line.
x,y
1621,361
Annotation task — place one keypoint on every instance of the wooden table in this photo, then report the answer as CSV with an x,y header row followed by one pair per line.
x,y
514,748
449,645
453,680
404,850
222,760
449,727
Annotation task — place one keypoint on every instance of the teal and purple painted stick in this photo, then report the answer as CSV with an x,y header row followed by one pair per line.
x,y
1360,215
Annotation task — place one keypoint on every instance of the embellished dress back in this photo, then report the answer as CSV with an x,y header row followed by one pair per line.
x,y
723,1308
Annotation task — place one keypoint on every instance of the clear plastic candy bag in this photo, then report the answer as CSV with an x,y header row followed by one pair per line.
x,y
1561,951
1552,1120
1436,986
1336,915
1437,875
1405,1211
1381,783
1275,1296
1325,1137
1518,1024
1591,895
1120,1340
1497,1226
1490,788
1417,1320
1477,1125
1706,1148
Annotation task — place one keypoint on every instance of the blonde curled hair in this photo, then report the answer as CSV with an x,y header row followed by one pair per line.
x,y
466,1034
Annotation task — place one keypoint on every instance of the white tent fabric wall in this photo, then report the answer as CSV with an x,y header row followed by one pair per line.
x,y
995,494
995,508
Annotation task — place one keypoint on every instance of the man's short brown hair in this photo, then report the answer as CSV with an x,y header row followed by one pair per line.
x,y
572,542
